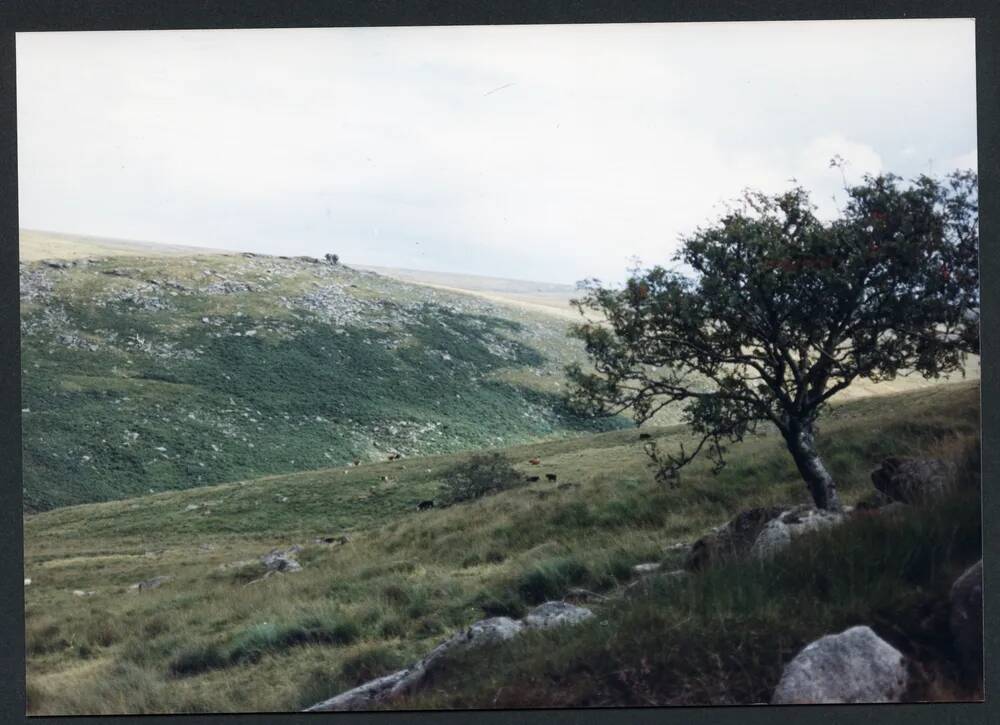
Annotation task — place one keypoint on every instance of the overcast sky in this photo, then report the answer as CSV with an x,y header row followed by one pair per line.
x,y
550,153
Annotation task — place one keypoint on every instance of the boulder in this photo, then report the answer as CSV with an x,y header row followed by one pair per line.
x,y
362,696
282,561
966,618
153,583
855,666
556,614
914,480
780,531
733,539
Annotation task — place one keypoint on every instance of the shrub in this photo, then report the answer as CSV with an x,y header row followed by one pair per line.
x,y
481,475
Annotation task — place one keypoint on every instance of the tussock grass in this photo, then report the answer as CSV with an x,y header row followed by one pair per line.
x,y
406,579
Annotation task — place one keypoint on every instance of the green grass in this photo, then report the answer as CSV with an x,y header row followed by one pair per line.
x,y
407,579
168,401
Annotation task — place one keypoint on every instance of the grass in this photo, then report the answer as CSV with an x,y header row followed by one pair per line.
x,y
207,388
407,579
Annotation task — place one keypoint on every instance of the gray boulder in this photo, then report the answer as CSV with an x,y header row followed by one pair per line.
x,y
914,480
495,629
153,583
732,540
362,696
556,614
854,666
780,531
282,561
966,618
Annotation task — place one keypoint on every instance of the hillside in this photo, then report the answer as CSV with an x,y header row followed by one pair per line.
x,y
147,373
207,640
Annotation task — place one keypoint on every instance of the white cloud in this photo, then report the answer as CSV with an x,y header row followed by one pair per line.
x,y
551,152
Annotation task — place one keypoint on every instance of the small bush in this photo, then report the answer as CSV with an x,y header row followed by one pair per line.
x,y
481,475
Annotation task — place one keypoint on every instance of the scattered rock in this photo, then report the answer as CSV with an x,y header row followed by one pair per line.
x,y
81,593
733,539
486,631
362,696
192,507
27,581
153,583
966,619
779,532
855,666
556,614
646,569
282,561
914,480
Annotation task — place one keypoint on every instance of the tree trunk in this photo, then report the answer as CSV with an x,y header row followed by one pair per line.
x,y
802,444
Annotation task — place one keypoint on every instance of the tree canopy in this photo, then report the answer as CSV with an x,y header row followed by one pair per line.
x,y
772,311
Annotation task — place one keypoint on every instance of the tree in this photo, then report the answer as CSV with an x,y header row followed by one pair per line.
x,y
483,474
778,311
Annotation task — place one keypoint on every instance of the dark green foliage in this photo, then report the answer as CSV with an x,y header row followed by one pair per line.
x,y
481,475
778,311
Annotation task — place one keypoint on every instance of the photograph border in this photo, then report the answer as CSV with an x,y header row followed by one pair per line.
x,y
67,15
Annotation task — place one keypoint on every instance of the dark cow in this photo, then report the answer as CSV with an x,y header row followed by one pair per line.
x,y
531,479
534,461
424,505
644,436
550,477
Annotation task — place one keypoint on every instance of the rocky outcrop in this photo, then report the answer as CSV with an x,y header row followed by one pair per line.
x,y
780,531
732,540
556,614
966,619
855,666
483,632
914,480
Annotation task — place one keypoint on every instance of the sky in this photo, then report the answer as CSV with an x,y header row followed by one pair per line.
x,y
551,153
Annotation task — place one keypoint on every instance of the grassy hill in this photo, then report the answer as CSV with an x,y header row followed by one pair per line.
x,y
167,371
206,640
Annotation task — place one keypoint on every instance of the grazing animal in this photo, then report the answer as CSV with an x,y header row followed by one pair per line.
x,y
357,462
550,477
395,456
531,479
385,478
424,505
644,436
535,461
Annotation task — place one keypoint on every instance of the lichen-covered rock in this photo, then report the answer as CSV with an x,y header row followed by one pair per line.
x,y
361,696
780,531
966,618
556,614
914,480
854,666
733,539
282,561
